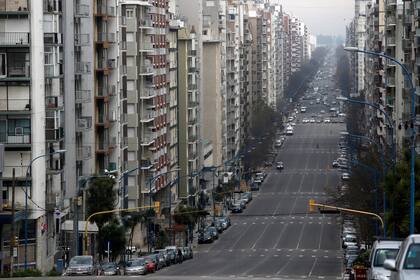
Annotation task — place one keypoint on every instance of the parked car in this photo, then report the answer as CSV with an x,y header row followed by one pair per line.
x,y
247,196
255,186
81,265
173,253
150,264
350,240
335,164
225,221
406,266
204,237
110,269
280,165
163,256
218,225
345,176
381,251
236,208
187,252
213,232
155,259
136,266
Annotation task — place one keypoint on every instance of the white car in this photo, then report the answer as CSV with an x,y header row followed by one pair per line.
x,y
305,121
327,121
381,251
407,264
345,176
312,120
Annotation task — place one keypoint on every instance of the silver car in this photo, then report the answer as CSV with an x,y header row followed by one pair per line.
x,y
407,264
136,267
81,265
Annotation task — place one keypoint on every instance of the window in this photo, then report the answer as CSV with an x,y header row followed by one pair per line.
x,y
19,127
131,61
383,254
130,36
131,156
131,132
131,85
131,109
3,65
130,13
412,260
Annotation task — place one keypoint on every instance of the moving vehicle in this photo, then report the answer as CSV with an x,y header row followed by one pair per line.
x,y
406,266
345,176
81,265
303,109
279,165
381,251
349,240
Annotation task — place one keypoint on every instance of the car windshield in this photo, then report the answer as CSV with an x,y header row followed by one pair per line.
x,y
412,260
81,260
135,262
383,254
108,266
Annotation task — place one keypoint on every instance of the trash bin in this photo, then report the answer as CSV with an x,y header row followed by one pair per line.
x,y
59,265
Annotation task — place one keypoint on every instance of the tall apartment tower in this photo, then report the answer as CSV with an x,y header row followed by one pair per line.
x,y
245,74
32,118
232,79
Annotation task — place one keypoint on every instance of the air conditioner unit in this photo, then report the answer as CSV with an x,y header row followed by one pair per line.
x,y
18,130
82,123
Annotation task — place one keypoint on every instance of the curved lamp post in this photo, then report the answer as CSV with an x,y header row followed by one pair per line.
x,y
407,75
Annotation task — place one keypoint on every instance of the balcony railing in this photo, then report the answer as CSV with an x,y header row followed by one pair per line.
x,y
145,23
6,138
105,10
53,102
147,92
84,153
14,38
8,104
148,115
83,96
82,67
106,37
81,39
82,10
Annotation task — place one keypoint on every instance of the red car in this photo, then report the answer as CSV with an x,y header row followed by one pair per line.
x,y
150,265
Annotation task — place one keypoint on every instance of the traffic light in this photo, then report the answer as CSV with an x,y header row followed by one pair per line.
x,y
312,205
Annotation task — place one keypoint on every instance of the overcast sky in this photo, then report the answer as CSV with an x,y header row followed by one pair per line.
x,y
328,17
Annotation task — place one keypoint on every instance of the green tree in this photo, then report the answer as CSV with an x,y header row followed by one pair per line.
x,y
397,186
101,196
114,233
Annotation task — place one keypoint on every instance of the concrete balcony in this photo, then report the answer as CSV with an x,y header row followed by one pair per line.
x,y
12,105
147,92
81,39
13,140
104,38
147,116
83,153
83,96
145,23
81,10
15,39
81,68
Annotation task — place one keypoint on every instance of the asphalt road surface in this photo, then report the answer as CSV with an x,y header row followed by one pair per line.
x,y
276,236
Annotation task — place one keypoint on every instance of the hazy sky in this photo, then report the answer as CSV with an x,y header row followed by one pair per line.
x,y
327,17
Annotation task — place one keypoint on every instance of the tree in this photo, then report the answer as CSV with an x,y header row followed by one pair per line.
x,y
343,73
397,186
114,233
101,196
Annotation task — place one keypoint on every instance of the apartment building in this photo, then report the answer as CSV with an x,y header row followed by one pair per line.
x,y
245,74
233,22
188,113
32,122
387,26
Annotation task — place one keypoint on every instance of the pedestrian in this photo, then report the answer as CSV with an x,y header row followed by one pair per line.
x,y
179,256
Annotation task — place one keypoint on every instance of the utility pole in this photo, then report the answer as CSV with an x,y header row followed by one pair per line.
x,y
12,226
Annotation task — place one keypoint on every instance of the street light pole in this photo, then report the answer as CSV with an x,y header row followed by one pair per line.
x,y
413,132
28,171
